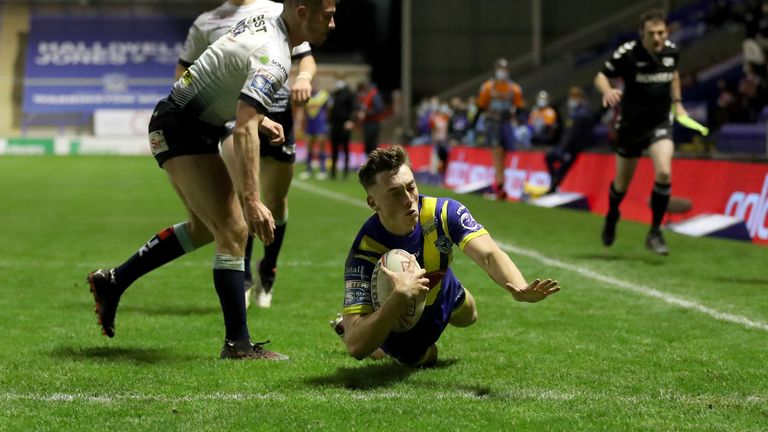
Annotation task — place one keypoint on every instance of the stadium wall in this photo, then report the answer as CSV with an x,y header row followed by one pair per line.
x,y
738,189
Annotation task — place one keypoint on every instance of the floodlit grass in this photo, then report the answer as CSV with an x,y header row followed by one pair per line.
x,y
607,353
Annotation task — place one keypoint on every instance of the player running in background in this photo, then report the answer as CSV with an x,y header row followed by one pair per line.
x,y
648,68
276,170
428,228
316,130
499,99
237,76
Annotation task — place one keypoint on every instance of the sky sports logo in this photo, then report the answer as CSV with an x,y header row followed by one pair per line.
x,y
752,208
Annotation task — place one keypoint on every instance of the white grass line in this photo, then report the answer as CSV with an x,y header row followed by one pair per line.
x,y
586,272
546,395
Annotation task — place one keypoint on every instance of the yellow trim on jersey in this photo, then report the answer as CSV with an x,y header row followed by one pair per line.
x,y
427,219
431,254
368,244
469,237
444,218
367,258
363,309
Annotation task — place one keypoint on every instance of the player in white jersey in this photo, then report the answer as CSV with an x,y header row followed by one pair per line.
x,y
237,76
276,170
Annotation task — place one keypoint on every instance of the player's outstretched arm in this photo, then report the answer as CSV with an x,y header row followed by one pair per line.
x,y
535,291
487,254
246,150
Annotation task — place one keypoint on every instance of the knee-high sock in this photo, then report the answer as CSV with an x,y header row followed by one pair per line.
x,y
228,278
614,200
659,203
163,247
248,256
271,252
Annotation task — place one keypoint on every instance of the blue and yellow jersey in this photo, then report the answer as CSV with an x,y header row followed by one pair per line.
x,y
443,223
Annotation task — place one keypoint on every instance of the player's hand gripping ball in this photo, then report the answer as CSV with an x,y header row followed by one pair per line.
x,y
397,261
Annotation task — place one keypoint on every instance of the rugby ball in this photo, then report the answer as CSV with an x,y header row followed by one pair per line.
x,y
397,261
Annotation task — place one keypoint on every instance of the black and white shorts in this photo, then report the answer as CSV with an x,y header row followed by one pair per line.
x,y
632,138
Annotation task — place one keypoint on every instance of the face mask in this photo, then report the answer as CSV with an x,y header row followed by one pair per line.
x,y
502,74
572,104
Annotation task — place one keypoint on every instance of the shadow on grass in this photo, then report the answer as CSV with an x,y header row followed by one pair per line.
x,y
760,282
371,376
153,310
609,257
129,355
171,310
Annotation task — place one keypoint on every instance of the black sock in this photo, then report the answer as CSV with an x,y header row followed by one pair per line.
x,y
248,255
228,278
163,247
659,203
271,252
614,200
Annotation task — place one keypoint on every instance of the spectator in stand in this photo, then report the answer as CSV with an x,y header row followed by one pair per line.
x,y
439,126
577,136
472,114
371,107
341,119
459,123
544,121
499,99
315,130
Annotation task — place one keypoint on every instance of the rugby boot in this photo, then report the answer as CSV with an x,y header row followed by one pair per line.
x,y
247,350
654,241
263,286
106,294
608,235
337,324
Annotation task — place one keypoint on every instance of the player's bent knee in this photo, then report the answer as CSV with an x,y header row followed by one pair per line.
x,y
465,315
232,236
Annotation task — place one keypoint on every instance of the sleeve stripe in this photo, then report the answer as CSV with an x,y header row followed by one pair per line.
x,y
254,103
358,309
469,237
301,55
185,63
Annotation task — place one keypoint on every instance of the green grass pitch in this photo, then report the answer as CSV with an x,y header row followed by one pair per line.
x,y
633,341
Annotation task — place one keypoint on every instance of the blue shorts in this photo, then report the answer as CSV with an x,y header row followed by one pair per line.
x,y
409,347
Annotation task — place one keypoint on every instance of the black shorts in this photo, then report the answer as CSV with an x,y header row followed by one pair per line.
x,y
287,151
173,132
633,138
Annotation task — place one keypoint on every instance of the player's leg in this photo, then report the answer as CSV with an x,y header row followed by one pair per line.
x,y
335,145
228,156
321,156
346,135
371,136
170,243
209,193
466,314
498,152
275,178
661,154
625,170
554,161
307,173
